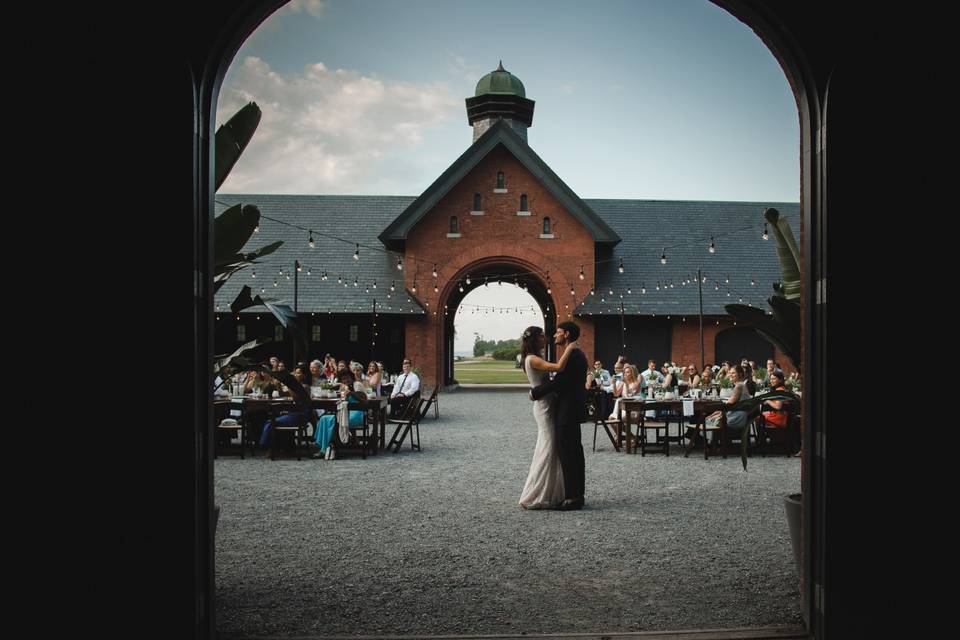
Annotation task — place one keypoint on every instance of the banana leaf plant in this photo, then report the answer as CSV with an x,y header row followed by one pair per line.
x,y
753,404
233,228
782,329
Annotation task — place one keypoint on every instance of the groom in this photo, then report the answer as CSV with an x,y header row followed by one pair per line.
x,y
571,410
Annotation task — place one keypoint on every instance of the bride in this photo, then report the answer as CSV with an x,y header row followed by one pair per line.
x,y
544,486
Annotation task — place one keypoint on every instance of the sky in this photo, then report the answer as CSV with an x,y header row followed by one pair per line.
x,y
665,99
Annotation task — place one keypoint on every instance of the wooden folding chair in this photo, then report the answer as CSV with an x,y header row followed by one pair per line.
x,y
407,424
656,425
297,432
235,412
610,427
435,401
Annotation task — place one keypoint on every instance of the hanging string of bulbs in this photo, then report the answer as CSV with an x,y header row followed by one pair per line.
x,y
711,248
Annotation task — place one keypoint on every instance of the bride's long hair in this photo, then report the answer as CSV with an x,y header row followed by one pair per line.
x,y
528,342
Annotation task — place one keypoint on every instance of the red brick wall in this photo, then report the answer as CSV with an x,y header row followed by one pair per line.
x,y
498,235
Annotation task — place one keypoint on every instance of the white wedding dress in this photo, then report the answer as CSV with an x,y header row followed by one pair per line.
x,y
544,486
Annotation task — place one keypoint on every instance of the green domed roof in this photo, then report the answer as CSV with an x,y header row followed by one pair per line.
x,y
500,81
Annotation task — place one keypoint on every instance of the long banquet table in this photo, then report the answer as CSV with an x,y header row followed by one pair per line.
x,y
702,407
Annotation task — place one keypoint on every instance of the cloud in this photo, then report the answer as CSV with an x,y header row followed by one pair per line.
x,y
327,131
313,7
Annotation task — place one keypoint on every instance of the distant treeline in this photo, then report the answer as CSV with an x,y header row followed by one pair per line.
x,y
501,349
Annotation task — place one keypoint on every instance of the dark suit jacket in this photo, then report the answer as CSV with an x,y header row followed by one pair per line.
x,y
572,396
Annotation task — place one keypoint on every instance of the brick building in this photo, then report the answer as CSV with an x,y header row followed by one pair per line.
x,y
500,213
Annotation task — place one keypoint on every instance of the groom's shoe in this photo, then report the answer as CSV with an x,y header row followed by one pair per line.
x,y
571,504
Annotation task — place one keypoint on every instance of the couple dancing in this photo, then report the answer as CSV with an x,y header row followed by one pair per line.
x,y
556,475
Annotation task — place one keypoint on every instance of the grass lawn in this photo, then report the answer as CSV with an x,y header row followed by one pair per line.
x,y
487,371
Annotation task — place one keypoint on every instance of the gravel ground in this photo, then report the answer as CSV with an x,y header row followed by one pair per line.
x,y
433,542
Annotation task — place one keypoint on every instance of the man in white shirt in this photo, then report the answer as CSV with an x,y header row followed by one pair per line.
x,y
651,373
406,387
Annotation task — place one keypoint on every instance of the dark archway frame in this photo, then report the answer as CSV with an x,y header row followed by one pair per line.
x,y
213,52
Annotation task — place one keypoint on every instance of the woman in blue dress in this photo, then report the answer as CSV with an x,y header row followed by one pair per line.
x,y
327,423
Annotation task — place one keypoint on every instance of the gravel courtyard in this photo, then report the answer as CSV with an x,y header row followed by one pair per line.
x,y
433,542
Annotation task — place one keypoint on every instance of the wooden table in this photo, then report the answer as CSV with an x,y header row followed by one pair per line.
x,y
701,409
376,404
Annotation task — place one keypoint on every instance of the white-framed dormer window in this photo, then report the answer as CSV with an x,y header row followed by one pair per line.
x,y
547,228
315,333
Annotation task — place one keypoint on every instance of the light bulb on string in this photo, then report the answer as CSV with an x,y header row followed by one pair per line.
x,y
582,276
374,284
256,229
308,271
355,282
434,271
620,268
765,236
299,267
629,292
392,288
274,283
548,290
591,291
339,280
572,291
752,283
435,289
414,287
643,288
468,279
712,248
356,253
253,274
727,279
281,271
461,287
399,264
310,242
663,256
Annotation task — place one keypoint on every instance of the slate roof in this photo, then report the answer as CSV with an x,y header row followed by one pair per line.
x,y
685,228
500,133
645,227
358,218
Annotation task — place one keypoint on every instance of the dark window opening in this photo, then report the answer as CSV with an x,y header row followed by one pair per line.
x,y
546,226
500,181
454,225
523,203
477,202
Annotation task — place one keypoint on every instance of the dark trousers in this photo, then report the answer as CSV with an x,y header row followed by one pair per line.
x,y
570,450
398,406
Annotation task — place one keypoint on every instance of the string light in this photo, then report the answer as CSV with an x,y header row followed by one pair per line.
x,y
461,287
253,274
310,242
620,268
374,283
355,282
765,236
435,289
572,292
392,288
434,270
399,264
414,287
468,279
663,256
727,281
752,283
712,248
582,276
298,266
356,253
643,289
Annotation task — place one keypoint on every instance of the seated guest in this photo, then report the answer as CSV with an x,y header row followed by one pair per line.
x,y
297,417
258,381
670,380
736,420
328,421
373,376
406,386
341,366
773,414
300,373
627,388
617,373
749,381
650,374
273,362
357,370
772,366
599,377
690,377
316,373
329,367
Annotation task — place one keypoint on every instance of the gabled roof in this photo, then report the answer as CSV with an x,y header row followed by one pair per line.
x,y
355,218
499,134
685,228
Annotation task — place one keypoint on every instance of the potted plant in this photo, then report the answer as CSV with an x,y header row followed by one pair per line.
x,y
726,387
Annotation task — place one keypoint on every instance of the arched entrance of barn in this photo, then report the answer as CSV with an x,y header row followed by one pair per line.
x,y
489,272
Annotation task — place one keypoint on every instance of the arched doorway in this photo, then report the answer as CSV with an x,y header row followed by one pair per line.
x,y
221,28
488,272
